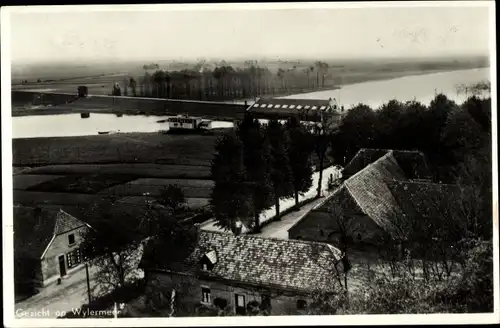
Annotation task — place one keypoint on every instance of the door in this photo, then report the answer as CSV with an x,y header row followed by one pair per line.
x,y
240,304
62,266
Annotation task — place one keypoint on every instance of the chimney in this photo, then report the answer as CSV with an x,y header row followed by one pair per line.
x,y
237,228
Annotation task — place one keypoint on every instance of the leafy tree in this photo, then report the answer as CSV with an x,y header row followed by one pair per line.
x,y
256,162
280,171
231,197
113,245
357,130
133,85
125,87
387,121
299,149
172,197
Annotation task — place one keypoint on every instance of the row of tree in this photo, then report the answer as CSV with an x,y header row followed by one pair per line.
x,y
256,166
227,83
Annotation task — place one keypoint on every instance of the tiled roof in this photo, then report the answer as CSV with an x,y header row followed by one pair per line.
x,y
362,158
32,234
369,188
382,190
280,263
411,162
423,199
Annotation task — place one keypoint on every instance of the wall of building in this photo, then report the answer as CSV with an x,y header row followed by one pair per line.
x,y
60,246
189,291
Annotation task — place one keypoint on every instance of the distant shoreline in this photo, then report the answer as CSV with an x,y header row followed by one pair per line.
x,y
61,110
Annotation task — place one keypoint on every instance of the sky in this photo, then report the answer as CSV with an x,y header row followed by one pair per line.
x,y
282,33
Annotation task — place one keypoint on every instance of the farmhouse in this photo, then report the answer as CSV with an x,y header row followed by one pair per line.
x,y
224,270
390,188
46,244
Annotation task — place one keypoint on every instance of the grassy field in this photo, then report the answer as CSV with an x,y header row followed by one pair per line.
x,y
79,171
72,172
117,148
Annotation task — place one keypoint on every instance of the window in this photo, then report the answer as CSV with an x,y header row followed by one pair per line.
x,y
74,258
277,106
284,106
256,105
307,107
270,106
301,304
292,106
322,107
314,107
299,106
206,297
71,239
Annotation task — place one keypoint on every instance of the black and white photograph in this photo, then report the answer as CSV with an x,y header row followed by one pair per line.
x,y
250,164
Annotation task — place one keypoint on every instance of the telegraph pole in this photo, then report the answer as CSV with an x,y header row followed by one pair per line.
x,y
88,281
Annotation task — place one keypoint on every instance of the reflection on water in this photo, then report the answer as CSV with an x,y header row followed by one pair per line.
x,y
73,125
420,87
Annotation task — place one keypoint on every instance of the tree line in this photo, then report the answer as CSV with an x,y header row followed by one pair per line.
x,y
442,262
226,82
256,166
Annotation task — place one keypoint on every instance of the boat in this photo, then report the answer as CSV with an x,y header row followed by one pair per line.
x,y
188,124
84,115
108,132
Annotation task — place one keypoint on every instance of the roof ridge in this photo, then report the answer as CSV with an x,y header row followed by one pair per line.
x,y
296,241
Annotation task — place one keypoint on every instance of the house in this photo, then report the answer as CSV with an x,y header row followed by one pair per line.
x,y
46,245
387,191
305,109
226,270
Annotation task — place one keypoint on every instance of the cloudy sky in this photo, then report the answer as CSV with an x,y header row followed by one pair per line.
x,y
232,33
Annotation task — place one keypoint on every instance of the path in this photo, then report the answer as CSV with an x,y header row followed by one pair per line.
x,y
53,299
279,229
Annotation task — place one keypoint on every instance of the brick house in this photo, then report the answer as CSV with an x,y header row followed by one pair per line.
x,y
46,245
222,270
388,186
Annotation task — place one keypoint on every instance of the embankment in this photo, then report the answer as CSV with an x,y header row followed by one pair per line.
x,y
64,103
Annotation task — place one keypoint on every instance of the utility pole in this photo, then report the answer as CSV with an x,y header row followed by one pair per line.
x,y
88,281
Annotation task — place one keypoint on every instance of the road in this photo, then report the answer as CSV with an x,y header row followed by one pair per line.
x,y
279,229
55,299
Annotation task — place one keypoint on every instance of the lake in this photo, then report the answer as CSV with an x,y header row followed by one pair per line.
x,y
65,125
374,93
416,87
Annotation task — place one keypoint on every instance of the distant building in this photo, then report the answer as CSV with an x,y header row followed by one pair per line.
x,y
46,245
380,188
304,109
226,270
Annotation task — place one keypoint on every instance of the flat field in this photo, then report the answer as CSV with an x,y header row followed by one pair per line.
x,y
79,171
100,77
